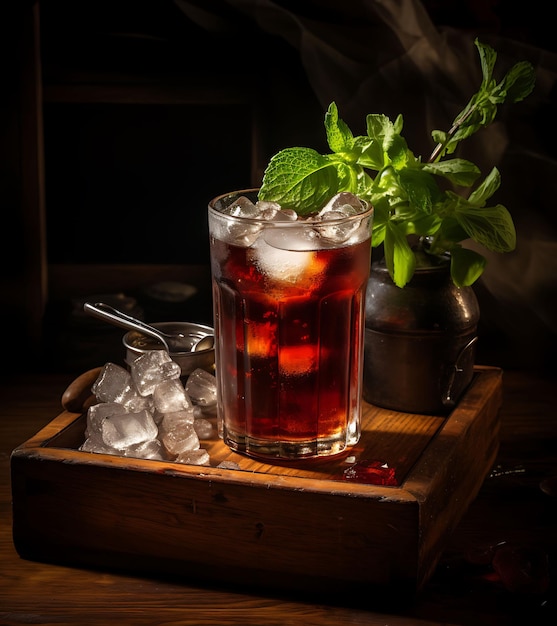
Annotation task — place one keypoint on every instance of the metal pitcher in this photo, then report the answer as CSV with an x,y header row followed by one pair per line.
x,y
419,340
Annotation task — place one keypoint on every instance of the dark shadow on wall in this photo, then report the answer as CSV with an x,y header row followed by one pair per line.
x,y
418,59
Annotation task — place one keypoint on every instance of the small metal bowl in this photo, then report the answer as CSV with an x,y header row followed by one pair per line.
x,y
137,344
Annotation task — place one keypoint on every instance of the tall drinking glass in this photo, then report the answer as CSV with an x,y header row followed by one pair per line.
x,y
288,297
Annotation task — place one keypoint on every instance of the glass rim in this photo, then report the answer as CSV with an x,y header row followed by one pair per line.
x,y
309,221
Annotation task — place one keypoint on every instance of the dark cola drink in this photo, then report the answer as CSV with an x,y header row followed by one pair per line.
x,y
288,296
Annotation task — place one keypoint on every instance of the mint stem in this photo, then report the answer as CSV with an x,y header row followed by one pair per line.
x,y
457,124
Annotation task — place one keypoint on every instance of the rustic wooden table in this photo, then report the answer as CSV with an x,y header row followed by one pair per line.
x,y
510,529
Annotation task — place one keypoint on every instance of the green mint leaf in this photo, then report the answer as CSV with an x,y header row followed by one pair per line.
x,y
419,187
481,110
381,217
368,153
440,137
387,182
302,179
488,57
466,266
519,82
449,232
398,152
399,257
491,227
480,113
372,156
424,226
404,191
385,136
339,136
364,183
350,177
487,188
458,171
374,151
380,128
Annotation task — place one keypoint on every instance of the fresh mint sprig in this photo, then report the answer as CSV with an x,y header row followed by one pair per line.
x,y
413,199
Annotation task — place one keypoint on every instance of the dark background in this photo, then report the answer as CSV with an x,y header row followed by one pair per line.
x,y
206,92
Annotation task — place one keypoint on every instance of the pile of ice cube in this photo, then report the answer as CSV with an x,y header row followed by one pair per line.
x,y
149,413
330,224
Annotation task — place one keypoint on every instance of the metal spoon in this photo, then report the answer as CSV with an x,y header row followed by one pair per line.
x,y
173,343
205,343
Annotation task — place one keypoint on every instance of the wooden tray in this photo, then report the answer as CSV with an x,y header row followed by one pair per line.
x,y
297,526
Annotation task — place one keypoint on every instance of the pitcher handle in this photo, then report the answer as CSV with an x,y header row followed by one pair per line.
x,y
456,368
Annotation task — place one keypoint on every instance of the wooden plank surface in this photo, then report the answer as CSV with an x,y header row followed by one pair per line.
x,y
104,510
509,507
397,439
